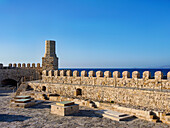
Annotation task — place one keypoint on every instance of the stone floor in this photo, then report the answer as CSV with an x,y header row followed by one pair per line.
x,y
39,116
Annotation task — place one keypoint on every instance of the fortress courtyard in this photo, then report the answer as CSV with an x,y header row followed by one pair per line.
x,y
39,117
125,101
85,64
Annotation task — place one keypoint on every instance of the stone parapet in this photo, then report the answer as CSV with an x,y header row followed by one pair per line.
x,y
66,76
24,65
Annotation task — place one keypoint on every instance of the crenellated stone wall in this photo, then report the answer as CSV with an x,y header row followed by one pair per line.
x,y
105,87
17,71
24,65
106,79
14,72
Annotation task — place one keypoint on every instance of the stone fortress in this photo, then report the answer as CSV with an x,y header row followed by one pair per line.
x,y
17,73
107,89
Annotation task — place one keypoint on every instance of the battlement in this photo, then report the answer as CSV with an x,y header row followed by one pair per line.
x,y
108,78
1,65
23,65
158,75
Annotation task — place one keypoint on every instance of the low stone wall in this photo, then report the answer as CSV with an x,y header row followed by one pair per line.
x,y
145,98
67,77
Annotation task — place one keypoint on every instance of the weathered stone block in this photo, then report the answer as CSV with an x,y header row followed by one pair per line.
x,y
62,72
168,76
19,65
126,74
69,73
99,74
116,74
91,73
76,73
158,75
51,73
10,65
84,73
14,65
1,66
38,65
64,110
33,65
107,74
146,75
56,73
45,73
135,74
23,65
28,65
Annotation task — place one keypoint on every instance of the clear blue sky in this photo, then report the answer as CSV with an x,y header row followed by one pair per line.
x,y
89,33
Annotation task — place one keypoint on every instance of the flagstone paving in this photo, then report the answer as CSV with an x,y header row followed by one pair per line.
x,y
39,116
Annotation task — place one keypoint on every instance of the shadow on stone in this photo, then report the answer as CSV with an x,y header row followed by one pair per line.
x,y
86,113
130,119
3,95
12,118
41,105
7,91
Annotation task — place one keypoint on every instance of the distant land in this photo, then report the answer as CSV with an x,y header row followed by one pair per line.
x,y
165,66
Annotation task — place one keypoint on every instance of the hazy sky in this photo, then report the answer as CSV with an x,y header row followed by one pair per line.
x,y
89,33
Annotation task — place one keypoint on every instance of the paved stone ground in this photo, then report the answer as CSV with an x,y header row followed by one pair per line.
x,y
39,116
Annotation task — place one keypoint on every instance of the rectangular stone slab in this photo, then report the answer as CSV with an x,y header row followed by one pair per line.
x,y
65,103
22,97
22,100
123,118
117,114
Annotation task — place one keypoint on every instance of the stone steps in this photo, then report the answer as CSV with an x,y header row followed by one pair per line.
x,y
21,88
23,102
114,115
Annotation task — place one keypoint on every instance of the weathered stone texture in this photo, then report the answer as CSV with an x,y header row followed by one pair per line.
x,y
17,73
56,73
126,74
152,99
116,74
151,93
135,81
75,73
99,74
83,73
50,60
63,73
107,74
91,73
69,73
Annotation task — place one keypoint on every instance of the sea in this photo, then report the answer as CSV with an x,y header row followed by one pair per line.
x,y
140,70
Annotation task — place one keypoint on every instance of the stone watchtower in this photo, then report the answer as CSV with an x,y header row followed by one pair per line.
x,y
50,60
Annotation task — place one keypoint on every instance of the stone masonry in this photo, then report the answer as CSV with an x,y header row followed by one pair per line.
x,y
50,60
31,72
135,91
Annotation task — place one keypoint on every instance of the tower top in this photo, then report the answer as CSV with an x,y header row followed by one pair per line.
x,y
50,60
50,48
